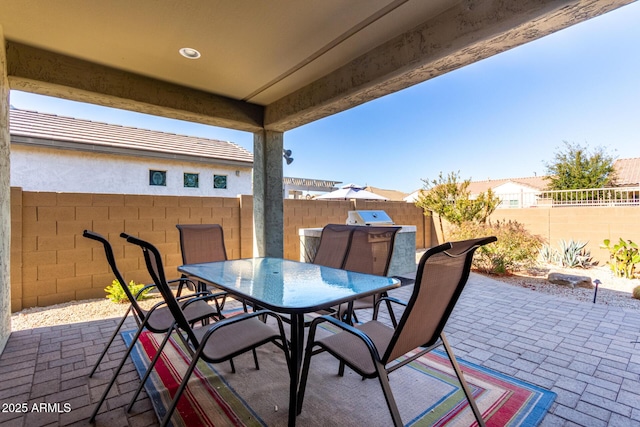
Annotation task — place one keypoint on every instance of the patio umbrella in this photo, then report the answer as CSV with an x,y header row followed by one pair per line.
x,y
350,191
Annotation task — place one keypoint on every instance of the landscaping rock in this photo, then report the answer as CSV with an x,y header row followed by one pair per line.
x,y
570,280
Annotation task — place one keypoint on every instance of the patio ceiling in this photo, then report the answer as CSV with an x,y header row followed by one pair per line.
x,y
269,65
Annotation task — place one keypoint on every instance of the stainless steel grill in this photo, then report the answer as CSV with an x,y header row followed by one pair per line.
x,y
369,218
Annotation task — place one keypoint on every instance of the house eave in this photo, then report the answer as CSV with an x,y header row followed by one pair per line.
x,y
97,148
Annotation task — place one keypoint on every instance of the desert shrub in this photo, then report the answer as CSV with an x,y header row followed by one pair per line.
x,y
116,294
516,248
636,292
623,257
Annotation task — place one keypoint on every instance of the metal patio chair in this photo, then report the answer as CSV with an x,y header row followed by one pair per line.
x,y
201,243
333,246
370,251
216,343
157,319
372,349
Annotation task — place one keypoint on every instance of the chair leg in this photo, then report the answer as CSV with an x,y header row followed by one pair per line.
x,y
115,374
383,377
180,390
113,336
255,359
149,369
463,382
308,352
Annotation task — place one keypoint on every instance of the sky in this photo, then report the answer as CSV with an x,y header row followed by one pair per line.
x,y
502,117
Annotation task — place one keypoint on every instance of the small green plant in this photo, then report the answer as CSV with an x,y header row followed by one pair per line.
x,y
573,254
636,292
623,257
516,248
116,294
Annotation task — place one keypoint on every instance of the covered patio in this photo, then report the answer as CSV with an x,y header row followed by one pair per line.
x,y
267,68
264,68
585,353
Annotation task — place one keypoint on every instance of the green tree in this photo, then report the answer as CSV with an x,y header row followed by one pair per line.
x,y
450,199
576,168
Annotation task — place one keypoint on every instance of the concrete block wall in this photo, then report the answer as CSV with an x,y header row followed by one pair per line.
x,y
16,249
300,213
404,214
52,263
586,224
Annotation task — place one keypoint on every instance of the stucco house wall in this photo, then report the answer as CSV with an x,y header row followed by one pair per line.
x,y
53,169
516,195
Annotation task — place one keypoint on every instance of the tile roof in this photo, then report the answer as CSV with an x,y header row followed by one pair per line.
x,y
535,182
389,194
627,172
30,127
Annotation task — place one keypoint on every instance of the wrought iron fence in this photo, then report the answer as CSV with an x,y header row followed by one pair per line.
x,y
619,196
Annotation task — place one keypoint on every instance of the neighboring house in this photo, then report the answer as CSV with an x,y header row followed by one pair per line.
x,y
64,154
392,195
513,192
306,188
526,192
509,190
413,196
627,172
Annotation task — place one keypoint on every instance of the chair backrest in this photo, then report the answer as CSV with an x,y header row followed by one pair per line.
x,y
333,246
201,243
153,260
442,274
370,249
108,250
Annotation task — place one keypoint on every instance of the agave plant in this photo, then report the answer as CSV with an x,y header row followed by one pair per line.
x,y
573,254
549,255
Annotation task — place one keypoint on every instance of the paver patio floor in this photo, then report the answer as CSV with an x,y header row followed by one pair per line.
x,y
586,353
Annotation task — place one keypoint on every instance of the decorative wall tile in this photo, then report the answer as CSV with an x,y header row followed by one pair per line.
x,y
191,180
158,178
219,181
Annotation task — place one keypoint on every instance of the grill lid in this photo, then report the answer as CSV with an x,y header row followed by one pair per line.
x,y
369,218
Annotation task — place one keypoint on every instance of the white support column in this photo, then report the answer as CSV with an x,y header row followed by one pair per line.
x,y
5,201
268,205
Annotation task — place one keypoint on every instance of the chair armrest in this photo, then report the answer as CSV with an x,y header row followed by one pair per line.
x,y
181,279
156,305
200,296
149,286
393,300
191,296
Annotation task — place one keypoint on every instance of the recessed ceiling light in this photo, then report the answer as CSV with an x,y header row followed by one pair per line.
x,y
189,53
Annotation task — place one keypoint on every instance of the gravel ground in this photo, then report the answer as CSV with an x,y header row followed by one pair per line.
x,y
613,292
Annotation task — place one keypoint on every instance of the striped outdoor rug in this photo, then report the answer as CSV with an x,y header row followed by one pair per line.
x,y
427,392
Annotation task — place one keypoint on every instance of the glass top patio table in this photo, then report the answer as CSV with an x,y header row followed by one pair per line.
x,y
291,287
286,286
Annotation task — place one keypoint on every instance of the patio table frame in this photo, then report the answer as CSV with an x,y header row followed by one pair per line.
x,y
293,288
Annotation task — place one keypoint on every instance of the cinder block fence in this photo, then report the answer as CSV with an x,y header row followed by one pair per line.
x,y
52,263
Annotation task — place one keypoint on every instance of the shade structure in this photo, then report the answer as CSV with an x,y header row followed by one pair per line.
x,y
350,191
